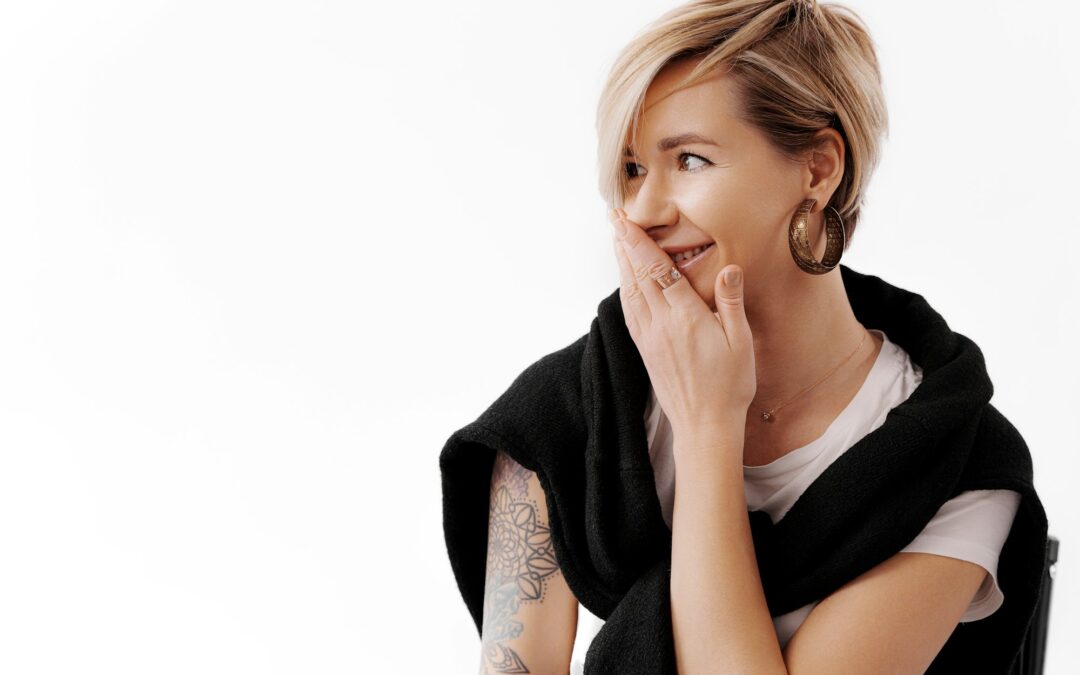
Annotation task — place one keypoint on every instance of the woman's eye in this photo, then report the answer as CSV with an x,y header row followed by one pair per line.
x,y
633,169
692,156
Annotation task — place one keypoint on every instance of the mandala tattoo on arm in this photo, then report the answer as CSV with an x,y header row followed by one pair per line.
x,y
520,558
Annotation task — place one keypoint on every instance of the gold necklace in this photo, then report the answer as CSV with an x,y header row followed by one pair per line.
x,y
770,415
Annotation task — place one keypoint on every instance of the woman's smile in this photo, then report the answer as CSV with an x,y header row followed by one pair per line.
x,y
686,262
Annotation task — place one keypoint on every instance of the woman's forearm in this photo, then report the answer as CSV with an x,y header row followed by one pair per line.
x,y
720,619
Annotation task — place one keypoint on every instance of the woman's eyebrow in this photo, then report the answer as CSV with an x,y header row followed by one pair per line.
x,y
670,142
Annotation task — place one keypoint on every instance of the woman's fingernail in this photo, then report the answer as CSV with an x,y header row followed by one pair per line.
x,y
732,277
620,227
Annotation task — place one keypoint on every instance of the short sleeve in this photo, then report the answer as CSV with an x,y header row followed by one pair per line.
x,y
972,526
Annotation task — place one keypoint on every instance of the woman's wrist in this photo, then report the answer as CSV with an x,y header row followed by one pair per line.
x,y
720,439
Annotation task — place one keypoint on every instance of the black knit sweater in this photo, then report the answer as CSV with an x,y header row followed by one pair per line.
x,y
576,418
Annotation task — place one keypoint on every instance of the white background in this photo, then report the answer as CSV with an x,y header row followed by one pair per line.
x,y
259,259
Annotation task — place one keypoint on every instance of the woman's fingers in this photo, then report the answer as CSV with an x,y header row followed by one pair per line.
x,y
730,308
635,308
648,262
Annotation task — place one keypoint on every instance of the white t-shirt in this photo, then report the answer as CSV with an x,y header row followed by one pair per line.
x,y
972,526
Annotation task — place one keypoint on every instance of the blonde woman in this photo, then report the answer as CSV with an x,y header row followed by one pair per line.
x,y
847,499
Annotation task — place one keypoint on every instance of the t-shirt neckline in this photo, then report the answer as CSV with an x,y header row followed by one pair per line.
x,y
803,454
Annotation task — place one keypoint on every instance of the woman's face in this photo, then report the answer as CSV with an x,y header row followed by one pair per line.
x,y
739,194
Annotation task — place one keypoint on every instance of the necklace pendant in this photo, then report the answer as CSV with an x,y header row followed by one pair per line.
x,y
767,416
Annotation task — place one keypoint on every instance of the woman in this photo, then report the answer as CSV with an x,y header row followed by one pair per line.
x,y
737,140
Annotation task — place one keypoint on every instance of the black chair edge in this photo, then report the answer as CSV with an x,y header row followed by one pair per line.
x,y
1033,650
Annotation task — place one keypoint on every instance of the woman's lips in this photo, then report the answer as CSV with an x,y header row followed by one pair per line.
x,y
684,264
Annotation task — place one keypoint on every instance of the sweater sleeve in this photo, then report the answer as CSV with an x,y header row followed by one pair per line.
x,y
972,526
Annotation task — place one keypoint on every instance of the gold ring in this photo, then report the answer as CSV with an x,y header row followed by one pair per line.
x,y
670,277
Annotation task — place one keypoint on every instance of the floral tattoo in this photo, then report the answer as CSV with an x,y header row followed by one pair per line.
x,y
520,558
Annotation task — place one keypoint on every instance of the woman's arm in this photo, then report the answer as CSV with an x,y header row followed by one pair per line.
x,y
530,614
719,616
893,618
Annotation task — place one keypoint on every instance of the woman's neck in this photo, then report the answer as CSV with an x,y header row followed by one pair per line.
x,y
802,331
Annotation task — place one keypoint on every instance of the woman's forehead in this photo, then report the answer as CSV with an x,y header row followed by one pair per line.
x,y
703,109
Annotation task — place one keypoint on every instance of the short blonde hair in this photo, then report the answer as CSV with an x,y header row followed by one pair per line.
x,y
799,67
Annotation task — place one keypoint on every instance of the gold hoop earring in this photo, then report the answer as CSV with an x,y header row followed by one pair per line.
x,y
799,240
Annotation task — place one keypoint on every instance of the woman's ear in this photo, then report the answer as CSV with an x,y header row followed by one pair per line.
x,y
825,166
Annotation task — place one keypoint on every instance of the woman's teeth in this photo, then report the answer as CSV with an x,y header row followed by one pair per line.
x,y
689,254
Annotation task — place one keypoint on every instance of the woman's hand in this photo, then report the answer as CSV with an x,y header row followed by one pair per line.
x,y
701,363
